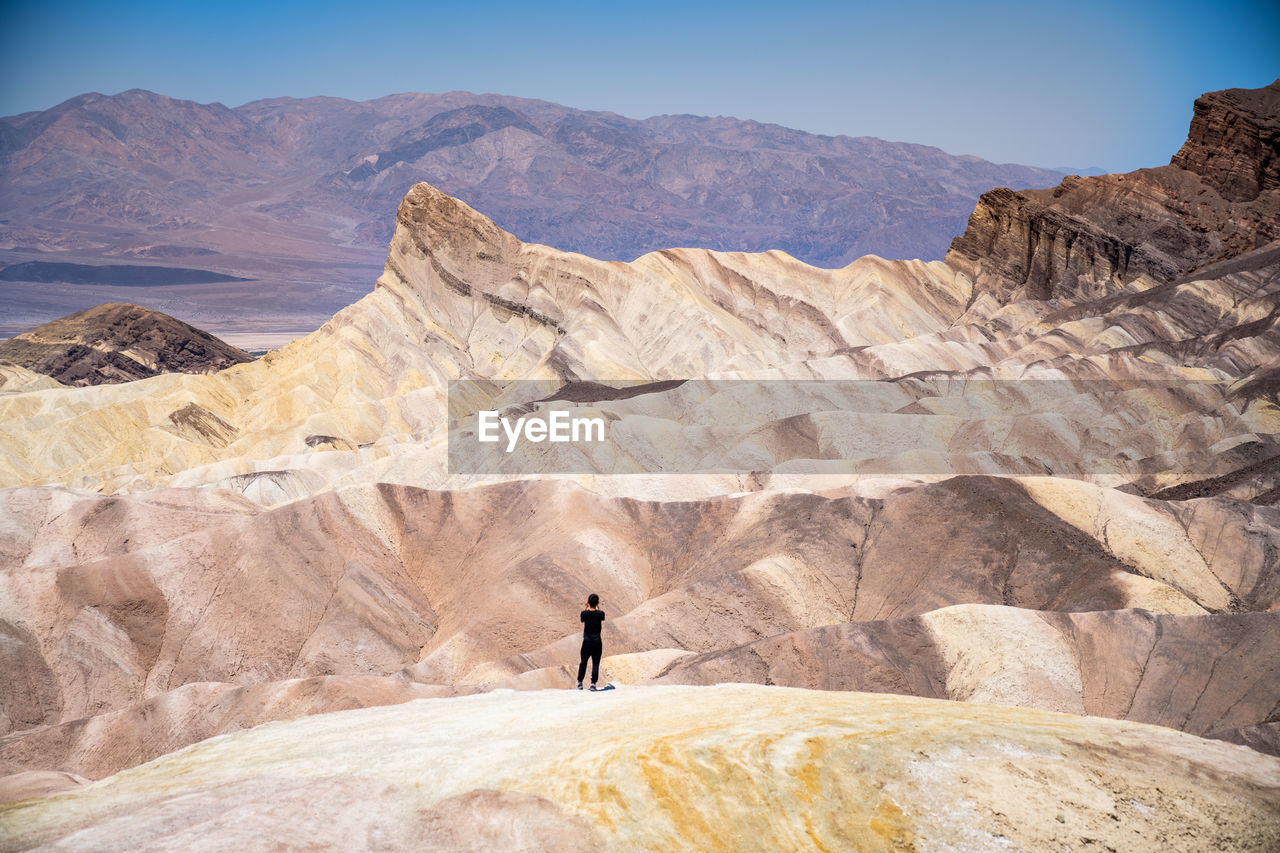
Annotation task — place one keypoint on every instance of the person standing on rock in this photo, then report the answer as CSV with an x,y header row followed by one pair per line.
x,y
592,619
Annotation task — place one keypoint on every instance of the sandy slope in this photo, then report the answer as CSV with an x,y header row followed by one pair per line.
x,y
722,768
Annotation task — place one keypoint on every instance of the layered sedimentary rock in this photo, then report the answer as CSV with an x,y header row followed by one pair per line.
x,y
287,536
462,298
116,606
1090,236
15,378
95,747
1234,142
1117,663
732,767
117,342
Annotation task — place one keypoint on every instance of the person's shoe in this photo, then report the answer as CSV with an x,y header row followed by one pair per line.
x,y
579,685
593,687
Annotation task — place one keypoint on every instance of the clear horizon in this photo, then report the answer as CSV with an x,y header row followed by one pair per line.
x,y
1109,85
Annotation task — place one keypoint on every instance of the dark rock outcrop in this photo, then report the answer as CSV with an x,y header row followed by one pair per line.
x,y
1234,142
118,342
1090,236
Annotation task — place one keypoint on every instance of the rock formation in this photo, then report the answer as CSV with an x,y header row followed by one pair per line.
x,y
1117,663
184,556
15,378
132,600
1090,236
463,299
678,768
1234,142
98,746
118,343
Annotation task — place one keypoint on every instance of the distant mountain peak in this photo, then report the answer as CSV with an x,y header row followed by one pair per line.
x,y
118,342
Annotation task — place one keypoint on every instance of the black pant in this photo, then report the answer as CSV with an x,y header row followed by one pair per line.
x,y
591,648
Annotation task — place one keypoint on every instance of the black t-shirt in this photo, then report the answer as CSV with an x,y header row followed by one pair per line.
x,y
591,620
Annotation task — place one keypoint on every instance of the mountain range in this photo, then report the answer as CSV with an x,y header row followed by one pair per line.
x,y
299,194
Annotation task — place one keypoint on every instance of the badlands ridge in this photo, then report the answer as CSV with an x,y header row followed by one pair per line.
x,y
190,555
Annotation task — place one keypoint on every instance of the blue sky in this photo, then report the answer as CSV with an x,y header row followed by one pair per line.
x,y
1051,84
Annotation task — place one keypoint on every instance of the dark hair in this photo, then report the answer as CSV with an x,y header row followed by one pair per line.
x,y
593,600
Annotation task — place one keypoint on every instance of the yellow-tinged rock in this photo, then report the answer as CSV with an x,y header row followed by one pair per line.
x,y
460,298
15,378
734,767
